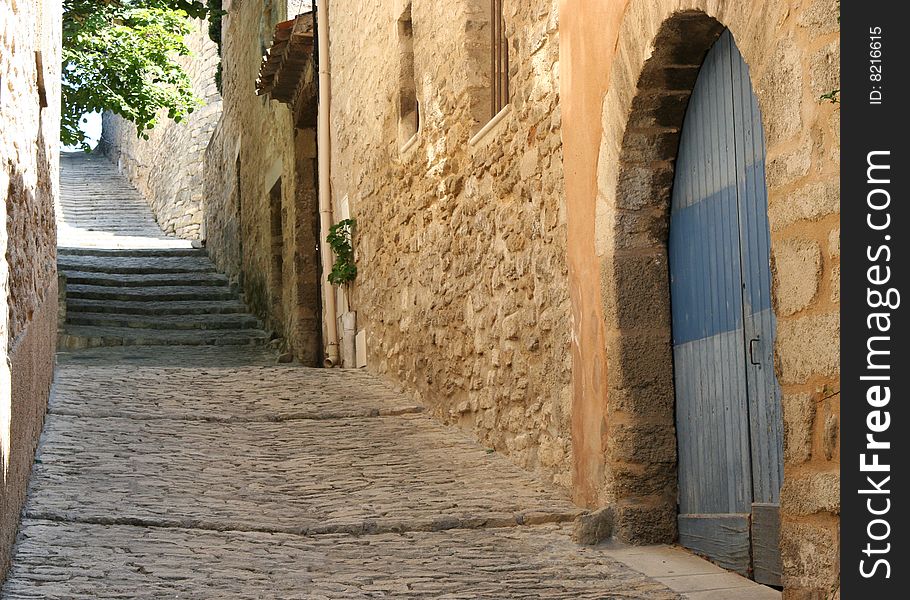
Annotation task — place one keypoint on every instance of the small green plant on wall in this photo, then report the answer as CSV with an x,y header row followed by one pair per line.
x,y
833,97
344,270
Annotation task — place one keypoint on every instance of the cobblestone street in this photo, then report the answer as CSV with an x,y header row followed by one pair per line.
x,y
427,299
255,481
212,471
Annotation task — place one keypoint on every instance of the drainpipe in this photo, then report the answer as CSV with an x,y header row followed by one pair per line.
x,y
324,155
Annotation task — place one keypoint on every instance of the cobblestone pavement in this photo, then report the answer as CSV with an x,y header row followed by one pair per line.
x,y
214,473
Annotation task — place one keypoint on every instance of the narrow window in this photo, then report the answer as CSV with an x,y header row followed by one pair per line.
x,y
488,61
238,208
277,242
408,105
499,60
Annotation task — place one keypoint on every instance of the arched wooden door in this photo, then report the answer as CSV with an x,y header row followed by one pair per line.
x,y
728,415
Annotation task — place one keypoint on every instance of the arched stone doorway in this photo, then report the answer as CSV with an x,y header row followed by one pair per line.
x,y
728,415
659,52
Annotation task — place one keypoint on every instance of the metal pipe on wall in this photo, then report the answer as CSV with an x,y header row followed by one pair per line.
x,y
324,156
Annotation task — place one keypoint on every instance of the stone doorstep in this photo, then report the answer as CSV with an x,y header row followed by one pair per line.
x,y
82,337
393,411
366,527
692,576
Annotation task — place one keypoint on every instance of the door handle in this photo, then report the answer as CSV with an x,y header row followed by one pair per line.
x,y
752,351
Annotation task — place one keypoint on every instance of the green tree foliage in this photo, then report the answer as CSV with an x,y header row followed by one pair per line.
x,y
216,13
120,56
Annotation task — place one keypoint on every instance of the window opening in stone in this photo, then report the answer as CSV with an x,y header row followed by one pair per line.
x,y
408,105
277,239
499,60
239,211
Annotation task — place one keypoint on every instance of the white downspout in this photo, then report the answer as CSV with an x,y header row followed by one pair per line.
x,y
324,156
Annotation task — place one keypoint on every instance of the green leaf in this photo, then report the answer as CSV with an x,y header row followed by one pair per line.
x,y
122,56
340,240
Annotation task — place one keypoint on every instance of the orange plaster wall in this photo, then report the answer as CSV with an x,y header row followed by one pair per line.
x,y
588,35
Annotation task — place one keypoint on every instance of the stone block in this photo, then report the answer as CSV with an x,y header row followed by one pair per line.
x,y
636,291
808,346
796,266
831,437
780,84
825,69
809,554
594,527
834,243
787,167
799,423
641,186
811,202
668,77
647,145
658,109
834,279
808,494
654,401
638,359
645,443
628,480
820,17
651,521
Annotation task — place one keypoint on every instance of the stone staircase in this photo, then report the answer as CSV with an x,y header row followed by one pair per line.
x,y
126,283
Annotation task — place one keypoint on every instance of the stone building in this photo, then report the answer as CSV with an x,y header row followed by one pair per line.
x,y
165,168
511,170
622,118
261,218
29,149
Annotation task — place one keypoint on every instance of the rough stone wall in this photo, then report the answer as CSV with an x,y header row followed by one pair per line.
x,y
167,168
552,348
462,285
222,203
792,50
29,147
256,135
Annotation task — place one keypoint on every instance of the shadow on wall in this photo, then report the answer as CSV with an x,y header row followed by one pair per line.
x,y
29,335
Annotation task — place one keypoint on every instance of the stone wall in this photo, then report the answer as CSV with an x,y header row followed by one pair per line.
x,y
260,201
462,287
528,306
652,51
29,147
167,168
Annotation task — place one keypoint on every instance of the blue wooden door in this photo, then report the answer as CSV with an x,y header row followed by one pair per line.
x,y
728,415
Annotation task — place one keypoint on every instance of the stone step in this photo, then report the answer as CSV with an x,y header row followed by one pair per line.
x,y
132,252
77,337
163,322
151,308
135,265
145,279
151,294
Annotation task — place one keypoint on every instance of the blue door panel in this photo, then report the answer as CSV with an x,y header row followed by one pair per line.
x,y
765,415
727,398
707,301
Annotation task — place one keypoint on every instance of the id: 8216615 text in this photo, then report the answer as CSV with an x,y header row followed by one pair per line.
x,y
875,65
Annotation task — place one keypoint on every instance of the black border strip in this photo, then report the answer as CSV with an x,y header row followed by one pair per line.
x,y
875,36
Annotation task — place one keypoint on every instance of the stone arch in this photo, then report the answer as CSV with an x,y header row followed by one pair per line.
x,y
659,52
